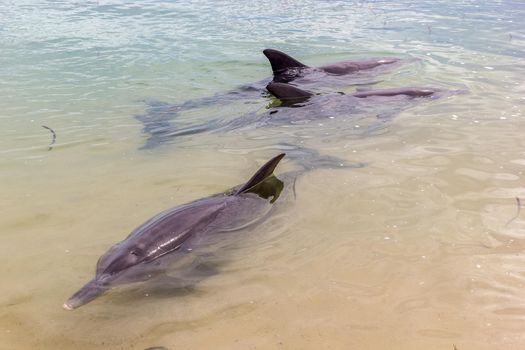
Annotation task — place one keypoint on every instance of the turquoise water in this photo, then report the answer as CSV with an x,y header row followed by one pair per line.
x,y
420,249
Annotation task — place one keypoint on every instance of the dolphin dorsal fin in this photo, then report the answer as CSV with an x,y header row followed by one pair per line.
x,y
264,172
281,61
287,92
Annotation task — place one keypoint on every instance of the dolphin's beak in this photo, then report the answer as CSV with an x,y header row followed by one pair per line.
x,y
90,291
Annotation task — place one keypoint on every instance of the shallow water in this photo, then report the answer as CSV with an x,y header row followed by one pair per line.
x,y
423,248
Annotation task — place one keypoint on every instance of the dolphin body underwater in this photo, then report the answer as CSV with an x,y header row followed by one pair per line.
x,y
384,103
186,229
302,106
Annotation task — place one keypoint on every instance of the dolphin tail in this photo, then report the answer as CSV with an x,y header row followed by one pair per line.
x,y
262,174
281,61
84,295
287,92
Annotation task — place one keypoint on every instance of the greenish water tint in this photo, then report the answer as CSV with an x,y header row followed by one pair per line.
x,y
413,251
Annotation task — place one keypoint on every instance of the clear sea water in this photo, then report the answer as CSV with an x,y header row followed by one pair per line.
x,y
422,248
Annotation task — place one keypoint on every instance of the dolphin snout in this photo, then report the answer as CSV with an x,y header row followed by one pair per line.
x,y
84,295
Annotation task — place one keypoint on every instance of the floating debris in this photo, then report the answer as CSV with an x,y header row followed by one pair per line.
x,y
54,137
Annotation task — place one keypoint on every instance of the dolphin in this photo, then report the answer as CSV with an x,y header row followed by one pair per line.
x,y
385,104
301,106
288,92
186,229
286,68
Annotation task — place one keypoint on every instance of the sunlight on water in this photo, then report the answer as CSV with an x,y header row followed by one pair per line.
x,y
421,246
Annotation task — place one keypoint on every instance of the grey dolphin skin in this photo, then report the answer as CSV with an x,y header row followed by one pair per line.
x,y
286,68
185,229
